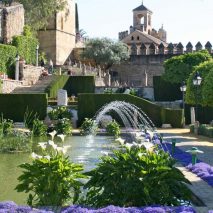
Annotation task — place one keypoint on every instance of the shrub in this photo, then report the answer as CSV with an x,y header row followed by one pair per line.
x,y
89,127
130,178
50,180
113,128
7,55
60,113
192,128
6,126
39,128
26,47
63,126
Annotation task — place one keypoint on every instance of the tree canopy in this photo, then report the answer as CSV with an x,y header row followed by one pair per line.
x,y
105,52
37,12
203,94
178,68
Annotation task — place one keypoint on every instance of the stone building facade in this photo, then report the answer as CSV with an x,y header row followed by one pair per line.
x,y
142,31
11,22
59,37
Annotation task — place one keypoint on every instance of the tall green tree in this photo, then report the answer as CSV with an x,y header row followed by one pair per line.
x,y
105,52
38,12
202,94
178,68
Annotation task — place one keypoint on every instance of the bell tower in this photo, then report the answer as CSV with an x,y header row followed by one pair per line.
x,y
142,19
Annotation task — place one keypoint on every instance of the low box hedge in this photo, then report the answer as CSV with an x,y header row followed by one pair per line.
x,y
203,129
13,106
89,104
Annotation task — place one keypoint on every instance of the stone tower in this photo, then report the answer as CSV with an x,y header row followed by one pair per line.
x,y
142,19
162,34
58,39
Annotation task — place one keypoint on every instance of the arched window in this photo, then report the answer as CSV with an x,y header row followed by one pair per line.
x,y
138,38
149,32
132,38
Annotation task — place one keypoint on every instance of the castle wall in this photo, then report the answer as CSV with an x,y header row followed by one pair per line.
x,y
139,71
58,40
12,22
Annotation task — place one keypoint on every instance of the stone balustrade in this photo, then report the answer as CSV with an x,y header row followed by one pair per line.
x,y
9,85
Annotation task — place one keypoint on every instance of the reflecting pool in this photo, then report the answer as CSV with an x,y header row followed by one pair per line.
x,y
85,150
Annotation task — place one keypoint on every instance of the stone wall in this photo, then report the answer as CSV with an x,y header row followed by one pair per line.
x,y
140,69
9,85
31,74
12,22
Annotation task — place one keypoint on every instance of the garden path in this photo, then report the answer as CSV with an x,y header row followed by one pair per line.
x,y
185,141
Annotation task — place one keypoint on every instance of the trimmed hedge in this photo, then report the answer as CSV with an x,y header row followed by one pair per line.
x,y
26,47
89,104
203,129
80,84
7,56
166,91
58,83
13,106
73,85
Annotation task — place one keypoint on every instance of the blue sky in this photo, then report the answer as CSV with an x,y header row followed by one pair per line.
x,y
184,20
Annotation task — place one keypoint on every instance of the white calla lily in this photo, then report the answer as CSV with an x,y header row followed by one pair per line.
x,y
47,157
120,140
43,145
52,134
147,145
62,137
51,143
35,156
128,145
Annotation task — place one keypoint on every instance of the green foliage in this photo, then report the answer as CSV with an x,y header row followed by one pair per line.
x,y
28,31
205,130
194,93
89,127
166,91
192,128
63,126
130,178
7,55
105,52
59,113
14,105
207,89
178,68
50,180
73,85
17,141
39,128
29,117
153,111
26,47
113,128
38,13
6,126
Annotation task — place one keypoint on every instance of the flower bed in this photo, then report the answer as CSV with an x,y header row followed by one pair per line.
x,y
10,206
201,169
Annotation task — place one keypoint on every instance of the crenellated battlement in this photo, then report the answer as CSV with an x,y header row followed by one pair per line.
x,y
162,49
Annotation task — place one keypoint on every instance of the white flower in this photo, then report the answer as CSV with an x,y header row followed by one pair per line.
x,y
62,149
35,156
62,137
51,143
49,109
52,134
47,157
43,145
104,153
120,140
150,133
147,145
128,146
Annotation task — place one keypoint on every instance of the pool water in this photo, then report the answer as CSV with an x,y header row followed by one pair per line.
x,y
84,149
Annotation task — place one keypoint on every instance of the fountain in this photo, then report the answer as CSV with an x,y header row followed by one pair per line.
x,y
131,115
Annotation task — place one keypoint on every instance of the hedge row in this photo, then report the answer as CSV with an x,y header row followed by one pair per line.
x,y
166,91
203,129
89,104
7,56
73,85
58,83
14,106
